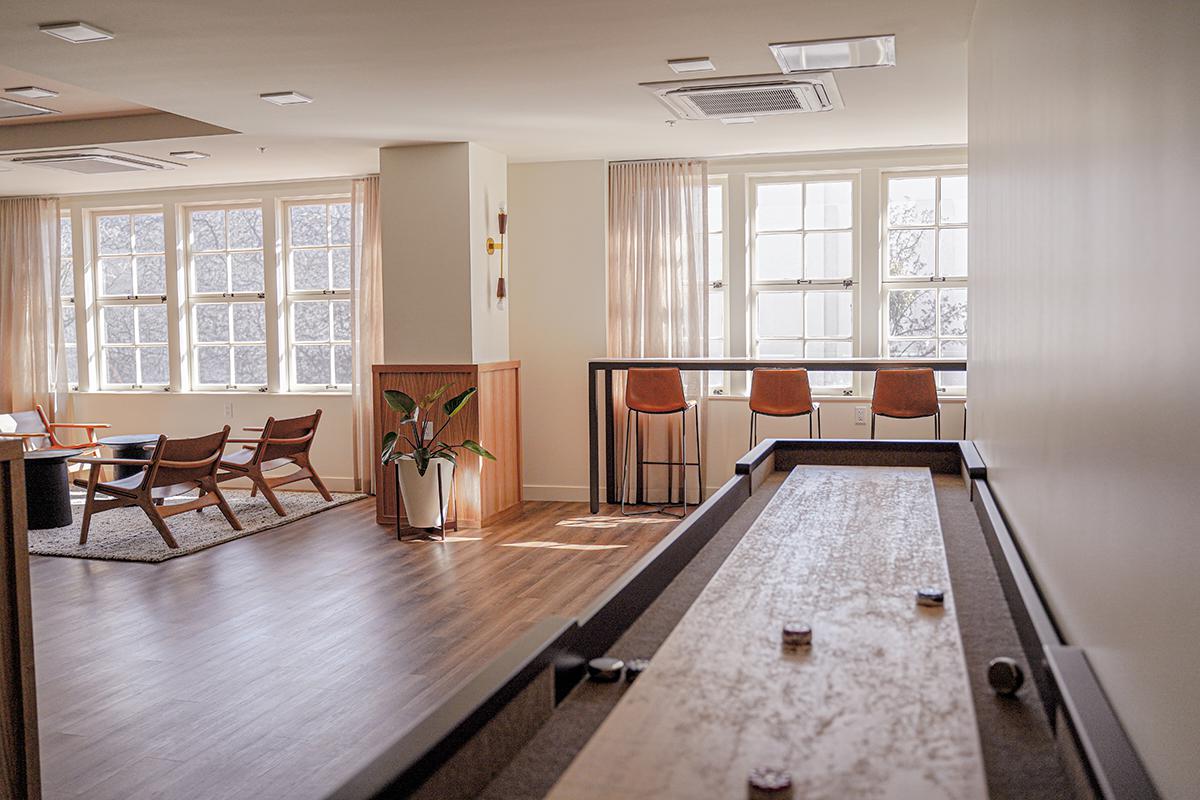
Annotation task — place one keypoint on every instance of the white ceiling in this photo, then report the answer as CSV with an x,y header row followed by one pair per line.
x,y
535,79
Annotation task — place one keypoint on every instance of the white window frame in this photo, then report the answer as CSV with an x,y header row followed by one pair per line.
x,y
936,282
66,263
193,298
718,291
803,285
293,296
101,301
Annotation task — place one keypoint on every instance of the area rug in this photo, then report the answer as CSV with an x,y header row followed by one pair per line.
x,y
125,534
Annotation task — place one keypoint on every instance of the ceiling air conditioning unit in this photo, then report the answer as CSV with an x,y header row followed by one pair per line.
x,y
748,95
91,161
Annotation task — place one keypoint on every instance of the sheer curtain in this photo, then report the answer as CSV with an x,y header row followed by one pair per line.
x,y
657,287
32,358
366,308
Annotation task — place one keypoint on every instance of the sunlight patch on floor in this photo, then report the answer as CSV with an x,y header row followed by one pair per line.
x,y
561,546
611,522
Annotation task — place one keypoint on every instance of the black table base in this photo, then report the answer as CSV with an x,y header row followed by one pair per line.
x,y
47,492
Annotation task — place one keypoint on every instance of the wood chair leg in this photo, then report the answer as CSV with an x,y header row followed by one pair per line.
x,y
254,489
223,504
93,479
316,479
159,523
269,493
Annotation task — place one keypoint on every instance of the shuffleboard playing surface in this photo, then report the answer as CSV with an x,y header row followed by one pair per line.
x,y
879,707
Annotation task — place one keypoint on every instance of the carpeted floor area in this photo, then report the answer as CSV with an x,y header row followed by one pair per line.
x,y
1019,752
126,534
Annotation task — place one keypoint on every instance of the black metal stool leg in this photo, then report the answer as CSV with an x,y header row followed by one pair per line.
x,y
699,459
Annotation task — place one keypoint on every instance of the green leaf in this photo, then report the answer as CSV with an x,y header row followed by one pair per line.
x,y
476,448
434,396
389,444
399,401
458,402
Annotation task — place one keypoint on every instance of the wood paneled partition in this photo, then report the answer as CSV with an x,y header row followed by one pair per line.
x,y
484,490
19,770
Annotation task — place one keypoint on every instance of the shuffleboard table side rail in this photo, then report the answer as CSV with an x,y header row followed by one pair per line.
x,y
603,622
1068,686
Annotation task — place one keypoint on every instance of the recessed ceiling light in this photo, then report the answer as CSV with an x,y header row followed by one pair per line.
x,y
75,32
190,155
33,92
864,51
286,98
681,65
737,120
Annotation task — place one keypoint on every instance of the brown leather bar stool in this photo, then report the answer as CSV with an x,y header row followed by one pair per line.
x,y
659,390
782,393
906,394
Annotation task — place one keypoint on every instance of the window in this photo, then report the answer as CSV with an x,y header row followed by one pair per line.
x,y
802,288
131,275
226,290
317,249
925,270
66,293
716,268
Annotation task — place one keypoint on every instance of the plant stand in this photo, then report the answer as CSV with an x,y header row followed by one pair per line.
x,y
427,533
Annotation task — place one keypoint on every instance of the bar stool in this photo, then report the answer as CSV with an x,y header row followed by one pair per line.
x,y
906,394
659,390
781,393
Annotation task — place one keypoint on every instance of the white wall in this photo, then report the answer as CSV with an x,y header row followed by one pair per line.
x,y
425,216
1085,163
557,306
195,413
489,193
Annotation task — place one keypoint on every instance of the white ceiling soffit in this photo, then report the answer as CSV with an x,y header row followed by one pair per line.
x,y
539,82
15,109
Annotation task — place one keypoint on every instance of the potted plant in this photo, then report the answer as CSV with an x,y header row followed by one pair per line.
x,y
414,454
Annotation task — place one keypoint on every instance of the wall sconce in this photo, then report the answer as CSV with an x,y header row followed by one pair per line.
x,y
492,247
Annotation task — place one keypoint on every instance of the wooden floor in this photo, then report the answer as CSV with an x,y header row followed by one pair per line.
x,y
269,666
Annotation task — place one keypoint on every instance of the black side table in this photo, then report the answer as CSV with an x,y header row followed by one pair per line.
x,y
47,490
130,445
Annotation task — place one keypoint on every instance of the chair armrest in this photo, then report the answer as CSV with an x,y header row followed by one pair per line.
x,y
130,462
81,425
254,428
15,435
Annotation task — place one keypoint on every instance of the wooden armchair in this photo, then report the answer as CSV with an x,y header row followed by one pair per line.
x,y
176,467
37,432
283,442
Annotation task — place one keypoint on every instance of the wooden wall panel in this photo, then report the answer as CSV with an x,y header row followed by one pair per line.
x,y
20,777
500,433
482,492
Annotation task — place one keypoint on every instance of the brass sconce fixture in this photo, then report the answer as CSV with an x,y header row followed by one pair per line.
x,y
492,247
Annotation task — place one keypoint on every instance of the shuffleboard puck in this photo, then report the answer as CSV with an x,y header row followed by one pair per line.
x,y
635,667
796,635
1005,676
605,670
931,596
769,783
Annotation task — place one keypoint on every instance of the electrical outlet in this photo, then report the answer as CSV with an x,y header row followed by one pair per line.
x,y
860,415
229,411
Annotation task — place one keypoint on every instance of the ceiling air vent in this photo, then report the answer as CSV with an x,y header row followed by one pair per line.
x,y
92,161
748,96
14,109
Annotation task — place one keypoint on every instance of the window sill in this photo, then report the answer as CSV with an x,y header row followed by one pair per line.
x,y
211,393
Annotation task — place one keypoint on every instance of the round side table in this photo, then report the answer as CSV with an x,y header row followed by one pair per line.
x,y
47,490
130,445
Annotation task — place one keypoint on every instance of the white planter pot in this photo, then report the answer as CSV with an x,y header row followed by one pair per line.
x,y
420,492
